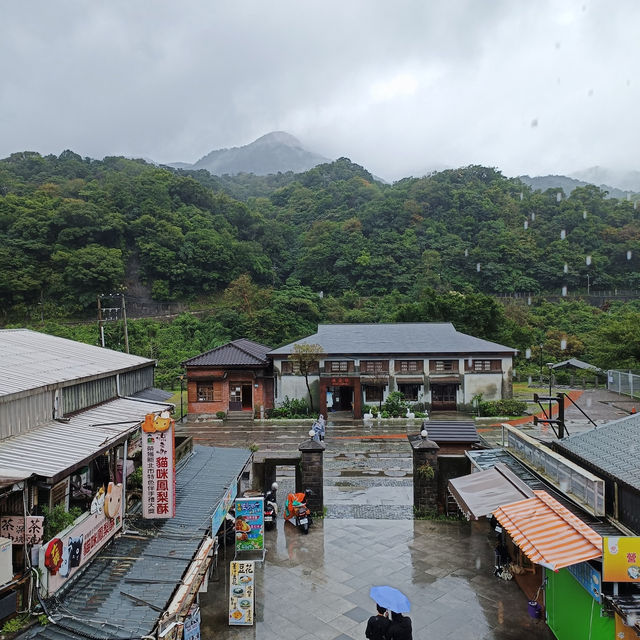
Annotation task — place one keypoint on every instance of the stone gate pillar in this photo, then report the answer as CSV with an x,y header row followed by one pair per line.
x,y
311,473
425,474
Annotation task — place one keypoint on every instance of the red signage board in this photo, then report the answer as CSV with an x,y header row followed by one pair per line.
x,y
341,382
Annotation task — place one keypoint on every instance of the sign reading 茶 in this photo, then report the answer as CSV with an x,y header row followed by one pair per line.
x,y
249,524
158,466
241,593
13,527
621,559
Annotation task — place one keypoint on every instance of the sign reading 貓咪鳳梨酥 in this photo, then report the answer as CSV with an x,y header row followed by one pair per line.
x,y
158,467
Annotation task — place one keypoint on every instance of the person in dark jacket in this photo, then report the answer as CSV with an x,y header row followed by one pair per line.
x,y
400,627
377,625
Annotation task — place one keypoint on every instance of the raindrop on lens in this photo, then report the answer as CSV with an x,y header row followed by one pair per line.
x,y
563,234
589,401
521,195
558,196
527,353
466,253
563,344
533,217
629,254
566,268
588,260
529,300
478,563
564,291
584,215
529,380
526,224
477,266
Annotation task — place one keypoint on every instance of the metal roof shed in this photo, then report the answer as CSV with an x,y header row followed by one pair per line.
x,y
56,449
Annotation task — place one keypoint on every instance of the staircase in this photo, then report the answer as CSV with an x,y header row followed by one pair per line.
x,y
239,416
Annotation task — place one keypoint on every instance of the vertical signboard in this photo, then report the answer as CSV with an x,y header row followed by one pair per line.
x,y
158,466
249,524
621,559
191,629
241,593
223,507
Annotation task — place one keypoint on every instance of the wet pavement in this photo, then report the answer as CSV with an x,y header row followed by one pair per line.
x,y
317,586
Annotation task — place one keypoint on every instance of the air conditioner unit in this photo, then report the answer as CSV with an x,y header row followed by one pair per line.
x,y
6,561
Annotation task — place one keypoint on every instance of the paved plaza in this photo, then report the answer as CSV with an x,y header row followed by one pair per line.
x,y
317,586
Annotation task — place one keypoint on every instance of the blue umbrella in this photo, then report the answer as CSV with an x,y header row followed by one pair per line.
x,y
390,598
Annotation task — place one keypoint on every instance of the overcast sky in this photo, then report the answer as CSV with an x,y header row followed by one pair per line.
x,y
401,87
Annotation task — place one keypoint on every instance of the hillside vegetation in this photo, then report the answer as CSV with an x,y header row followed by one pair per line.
x,y
255,251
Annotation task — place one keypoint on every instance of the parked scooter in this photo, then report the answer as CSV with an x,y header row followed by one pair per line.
x,y
296,511
270,507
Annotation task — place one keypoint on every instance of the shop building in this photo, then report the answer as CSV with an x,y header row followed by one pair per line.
x,y
69,415
235,378
361,364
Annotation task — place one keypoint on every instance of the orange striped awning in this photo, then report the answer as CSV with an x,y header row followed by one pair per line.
x,y
548,533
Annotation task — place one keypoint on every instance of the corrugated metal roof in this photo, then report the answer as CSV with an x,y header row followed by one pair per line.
x,y
400,338
608,447
53,449
451,430
488,458
95,603
29,360
479,494
574,362
547,533
152,393
240,352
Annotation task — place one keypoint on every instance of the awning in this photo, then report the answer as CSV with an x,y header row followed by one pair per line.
x,y
401,380
444,380
56,449
479,494
548,533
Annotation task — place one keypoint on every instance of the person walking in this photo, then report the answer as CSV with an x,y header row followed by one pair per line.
x,y
400,627
378,625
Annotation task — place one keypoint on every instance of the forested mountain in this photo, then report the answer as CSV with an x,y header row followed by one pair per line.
x,y
272,153
259,249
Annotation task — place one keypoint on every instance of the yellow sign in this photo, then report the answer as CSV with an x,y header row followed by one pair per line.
x,y
621,559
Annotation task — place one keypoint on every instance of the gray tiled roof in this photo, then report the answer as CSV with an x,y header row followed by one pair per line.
x,y
400,338
30,359
574,362
240,352
611,447
147,569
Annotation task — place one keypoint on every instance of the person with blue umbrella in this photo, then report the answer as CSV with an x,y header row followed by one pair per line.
x,y
394,600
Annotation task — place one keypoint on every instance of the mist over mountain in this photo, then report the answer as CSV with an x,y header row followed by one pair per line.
x,y
568,184
627,180
274,152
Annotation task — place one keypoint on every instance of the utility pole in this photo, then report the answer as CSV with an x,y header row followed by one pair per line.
x,y
126,331
100,321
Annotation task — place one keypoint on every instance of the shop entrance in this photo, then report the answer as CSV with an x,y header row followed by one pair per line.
x,y
240,397
443,396
339,398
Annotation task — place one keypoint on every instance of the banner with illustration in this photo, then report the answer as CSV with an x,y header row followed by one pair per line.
x,y
241,593
249,524
158,466
63,556
223,508
621,559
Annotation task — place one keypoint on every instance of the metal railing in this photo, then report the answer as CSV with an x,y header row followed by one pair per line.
x,y
624,382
